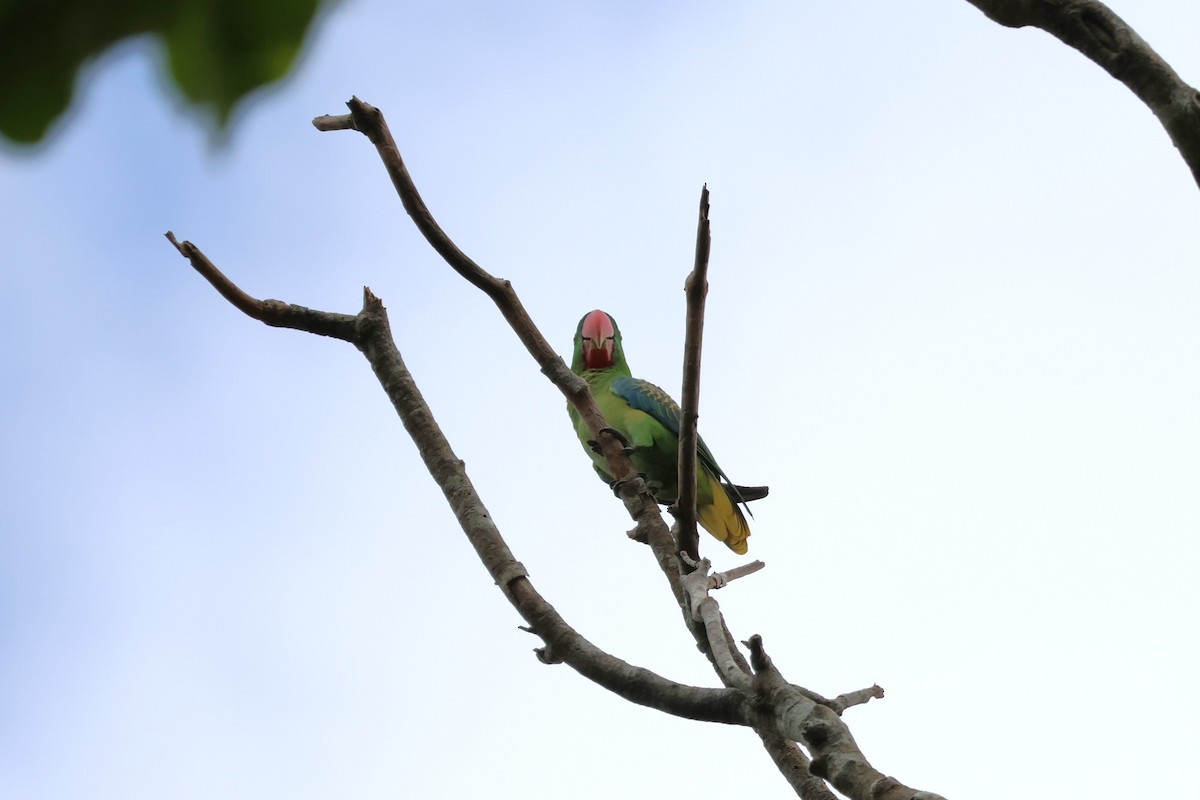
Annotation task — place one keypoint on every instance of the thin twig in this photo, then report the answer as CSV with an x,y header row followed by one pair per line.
x,y
856,698
332,122
742,570
696,289
271,312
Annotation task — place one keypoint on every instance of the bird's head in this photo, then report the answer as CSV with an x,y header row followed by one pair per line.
x,y
598,344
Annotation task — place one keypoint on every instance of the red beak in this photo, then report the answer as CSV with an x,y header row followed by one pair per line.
x,y
598,340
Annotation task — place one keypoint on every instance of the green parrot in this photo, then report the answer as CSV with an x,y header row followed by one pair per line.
x,y
648,419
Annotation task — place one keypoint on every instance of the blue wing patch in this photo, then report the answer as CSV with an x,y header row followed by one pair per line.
x,y
646,397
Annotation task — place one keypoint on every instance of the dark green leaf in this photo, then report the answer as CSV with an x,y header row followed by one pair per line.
x,y
219,50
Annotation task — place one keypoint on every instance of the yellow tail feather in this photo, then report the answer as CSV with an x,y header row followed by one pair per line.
x,y
724,520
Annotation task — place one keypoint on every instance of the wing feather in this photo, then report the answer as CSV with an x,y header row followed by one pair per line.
x,y
648,398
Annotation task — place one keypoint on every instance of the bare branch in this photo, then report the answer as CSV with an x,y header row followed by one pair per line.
x,y
370,332
791,761
1093,29
687,539
271,312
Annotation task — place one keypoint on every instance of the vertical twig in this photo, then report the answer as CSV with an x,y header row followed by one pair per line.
x,y
696,289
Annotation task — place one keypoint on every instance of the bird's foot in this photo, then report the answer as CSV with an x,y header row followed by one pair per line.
x,y
620,437
619,487
616,434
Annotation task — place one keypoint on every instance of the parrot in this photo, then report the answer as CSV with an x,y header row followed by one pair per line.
x,y
647,419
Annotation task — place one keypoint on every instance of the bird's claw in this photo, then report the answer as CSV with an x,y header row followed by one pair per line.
x,y
616,434
626,447
618,485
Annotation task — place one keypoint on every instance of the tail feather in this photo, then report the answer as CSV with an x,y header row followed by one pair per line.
x,y
724,520
744,494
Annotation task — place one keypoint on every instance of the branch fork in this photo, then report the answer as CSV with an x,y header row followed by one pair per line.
x,y
705,610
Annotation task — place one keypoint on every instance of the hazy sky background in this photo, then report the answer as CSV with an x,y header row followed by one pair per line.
x,y
952,322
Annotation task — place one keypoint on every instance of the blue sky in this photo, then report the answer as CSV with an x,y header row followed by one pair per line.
x,y
951,323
